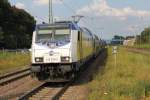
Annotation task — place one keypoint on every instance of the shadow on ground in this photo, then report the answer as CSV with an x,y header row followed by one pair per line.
x,y
89,71
92,68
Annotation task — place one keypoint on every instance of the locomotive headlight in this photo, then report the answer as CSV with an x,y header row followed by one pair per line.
x,y
39,59
65,59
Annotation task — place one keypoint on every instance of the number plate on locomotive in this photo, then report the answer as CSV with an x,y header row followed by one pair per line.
x,y
52,59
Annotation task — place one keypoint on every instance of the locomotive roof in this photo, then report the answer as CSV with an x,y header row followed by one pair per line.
x,y
64,24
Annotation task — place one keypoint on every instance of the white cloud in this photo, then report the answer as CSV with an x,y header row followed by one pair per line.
x,y
133,28
46,2
101,8
20,5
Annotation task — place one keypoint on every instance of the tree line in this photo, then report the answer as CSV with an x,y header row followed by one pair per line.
x,y
16,26
144,37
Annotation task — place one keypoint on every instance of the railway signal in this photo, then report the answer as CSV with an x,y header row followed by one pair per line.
x,y
115,48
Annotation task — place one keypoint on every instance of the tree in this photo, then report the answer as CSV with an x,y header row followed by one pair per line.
x,y
1,34
117,37
17,26
144,37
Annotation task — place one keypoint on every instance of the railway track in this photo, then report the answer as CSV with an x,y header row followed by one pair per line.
x,y
50,91
10,77
46,91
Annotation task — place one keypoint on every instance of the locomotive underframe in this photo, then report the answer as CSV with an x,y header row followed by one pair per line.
x,y
51,72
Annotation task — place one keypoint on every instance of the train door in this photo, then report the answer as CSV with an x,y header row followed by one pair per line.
x,y
80,49
94,45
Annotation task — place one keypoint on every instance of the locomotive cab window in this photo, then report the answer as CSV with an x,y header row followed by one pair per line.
x,y
59,36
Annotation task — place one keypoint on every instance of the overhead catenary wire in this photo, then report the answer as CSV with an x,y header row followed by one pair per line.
x,y
74,12
66,5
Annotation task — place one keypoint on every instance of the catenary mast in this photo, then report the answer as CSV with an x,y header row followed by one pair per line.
x,y
50,12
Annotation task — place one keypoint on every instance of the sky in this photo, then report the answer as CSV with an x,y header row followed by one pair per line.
x,y
105,18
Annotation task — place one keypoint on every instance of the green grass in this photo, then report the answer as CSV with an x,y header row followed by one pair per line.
x,y
128,80
10,61
143,46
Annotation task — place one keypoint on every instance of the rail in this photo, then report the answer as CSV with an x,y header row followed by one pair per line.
x,y
10,77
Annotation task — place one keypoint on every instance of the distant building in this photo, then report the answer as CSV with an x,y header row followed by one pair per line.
x,y
129,41
117,42
108,42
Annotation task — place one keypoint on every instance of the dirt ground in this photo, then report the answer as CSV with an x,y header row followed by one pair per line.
x,y
79,90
